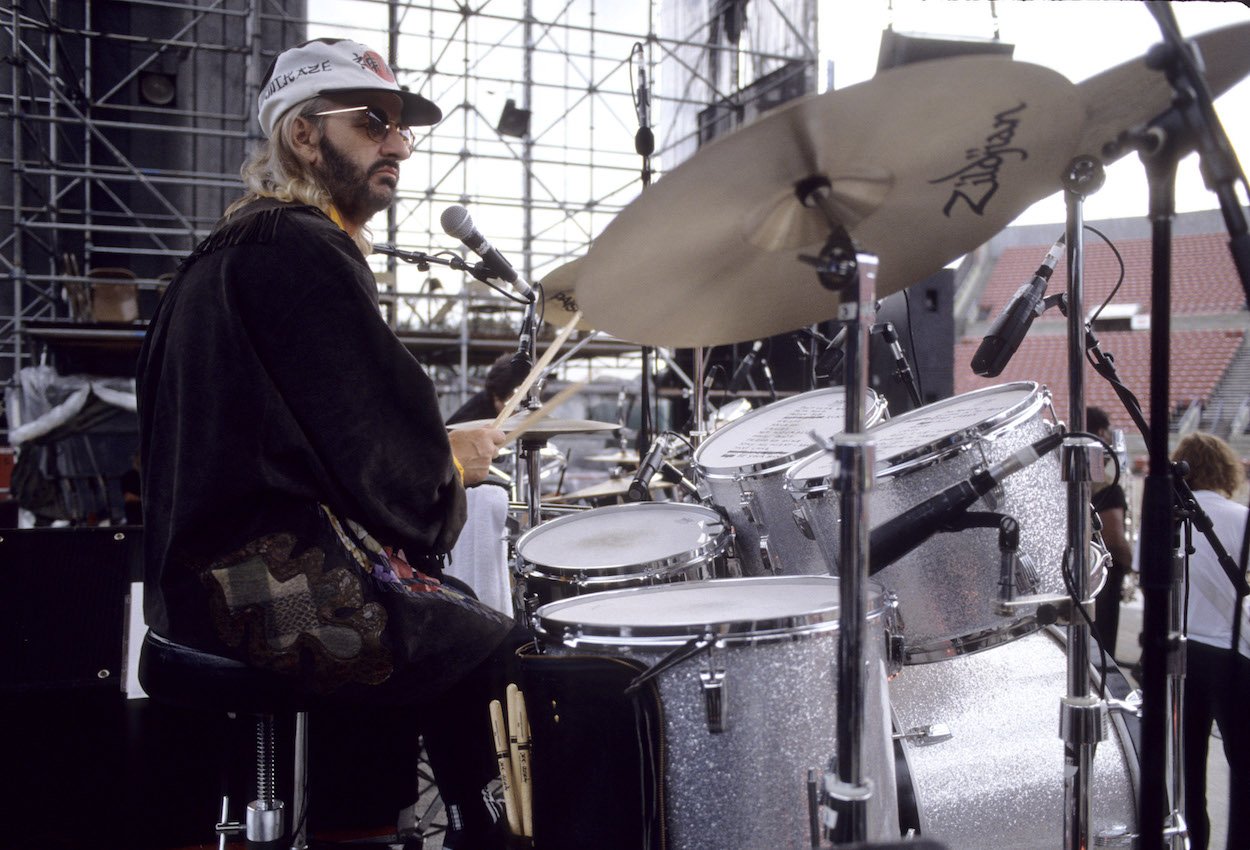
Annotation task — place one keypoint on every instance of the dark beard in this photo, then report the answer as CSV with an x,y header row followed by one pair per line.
x,y
348,185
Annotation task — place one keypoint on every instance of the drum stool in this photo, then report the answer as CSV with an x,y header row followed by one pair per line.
x,y
190,678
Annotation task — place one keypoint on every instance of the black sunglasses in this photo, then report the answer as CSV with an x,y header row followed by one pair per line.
x,y
377,125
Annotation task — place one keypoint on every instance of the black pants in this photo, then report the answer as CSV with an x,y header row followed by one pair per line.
x,y
1212,696
1107,608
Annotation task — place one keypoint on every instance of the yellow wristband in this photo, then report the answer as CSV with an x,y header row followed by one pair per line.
x,y
459,467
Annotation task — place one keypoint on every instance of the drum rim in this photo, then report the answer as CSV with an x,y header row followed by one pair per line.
x,y
813,486
874,402
716,544
730,632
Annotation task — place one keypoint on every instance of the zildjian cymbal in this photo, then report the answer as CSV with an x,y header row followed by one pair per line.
x,y
1131,94
923,163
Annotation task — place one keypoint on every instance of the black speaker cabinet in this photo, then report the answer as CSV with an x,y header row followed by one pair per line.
x,y
930,323
63,609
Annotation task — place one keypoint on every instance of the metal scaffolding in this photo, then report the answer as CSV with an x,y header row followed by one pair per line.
x,y
129,119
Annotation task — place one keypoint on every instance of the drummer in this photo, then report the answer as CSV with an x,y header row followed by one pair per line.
x,y
300,488
503,377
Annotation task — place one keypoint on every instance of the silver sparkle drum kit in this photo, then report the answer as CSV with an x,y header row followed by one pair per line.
x,y
731,605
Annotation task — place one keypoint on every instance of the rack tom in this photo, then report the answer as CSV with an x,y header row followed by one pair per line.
x,y
744,465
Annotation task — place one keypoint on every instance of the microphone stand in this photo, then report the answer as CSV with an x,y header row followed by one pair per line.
x,y
840,267
422,261
1191,122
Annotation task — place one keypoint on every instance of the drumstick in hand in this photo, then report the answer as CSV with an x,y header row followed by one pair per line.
x,y
543,412
505,766
525,385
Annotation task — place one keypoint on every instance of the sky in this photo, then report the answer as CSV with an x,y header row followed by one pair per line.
x,y
1077,38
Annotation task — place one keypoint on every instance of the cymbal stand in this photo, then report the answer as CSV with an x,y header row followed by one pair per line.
x,y
839,267
700,399
530,450
1082,715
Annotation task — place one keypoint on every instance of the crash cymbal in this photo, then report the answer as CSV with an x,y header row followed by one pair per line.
x,y
559,296
925,162
1131,94
545,428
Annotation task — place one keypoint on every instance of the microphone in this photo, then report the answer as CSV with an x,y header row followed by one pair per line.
x,y
644,99
829,359
768,376
639,488
898,536
525,345
457,223
1017,317
644,139
744,368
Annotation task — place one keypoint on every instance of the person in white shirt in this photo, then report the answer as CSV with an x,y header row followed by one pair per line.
x,y
1217,685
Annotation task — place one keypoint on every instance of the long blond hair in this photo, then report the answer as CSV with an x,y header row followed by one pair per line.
x,y
274,170
1213,465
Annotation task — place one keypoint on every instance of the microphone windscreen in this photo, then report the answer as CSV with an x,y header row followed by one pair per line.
x,y
456,222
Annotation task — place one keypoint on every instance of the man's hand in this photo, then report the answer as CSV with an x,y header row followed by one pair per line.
x,y
475,448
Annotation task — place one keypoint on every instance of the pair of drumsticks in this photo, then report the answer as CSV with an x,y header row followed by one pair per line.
x,y
512,750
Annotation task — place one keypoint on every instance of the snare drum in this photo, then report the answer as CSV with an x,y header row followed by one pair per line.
x,y
751,705
621,546
949,587
745,462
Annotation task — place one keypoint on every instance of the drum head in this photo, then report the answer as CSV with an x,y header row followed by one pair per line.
x,y
625,539
779,433
925,433
747,608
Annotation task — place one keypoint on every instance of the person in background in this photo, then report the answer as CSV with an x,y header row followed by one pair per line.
x,y
1111,505
1217,679
504,376
300,488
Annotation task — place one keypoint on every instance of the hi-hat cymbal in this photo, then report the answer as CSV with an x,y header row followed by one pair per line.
x,y
1131,94
560,296
616,487
624,458
544,429
627,458
925,162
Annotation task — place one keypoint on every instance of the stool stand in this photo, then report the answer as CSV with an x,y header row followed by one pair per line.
x,y
264,825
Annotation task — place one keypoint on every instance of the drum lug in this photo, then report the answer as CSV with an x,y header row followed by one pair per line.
x,y
895,644
766,557
805,527
934,733
749,503
714,681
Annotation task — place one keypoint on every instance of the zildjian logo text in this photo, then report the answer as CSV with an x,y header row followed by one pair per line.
x,y
976,182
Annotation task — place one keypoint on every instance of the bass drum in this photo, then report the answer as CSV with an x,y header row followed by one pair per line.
x,y
984,763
